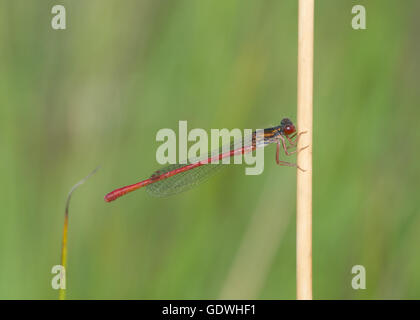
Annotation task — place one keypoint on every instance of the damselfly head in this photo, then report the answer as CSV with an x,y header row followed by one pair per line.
x,y
287,127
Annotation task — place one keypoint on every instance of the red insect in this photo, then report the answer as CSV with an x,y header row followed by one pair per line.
x,y
177,178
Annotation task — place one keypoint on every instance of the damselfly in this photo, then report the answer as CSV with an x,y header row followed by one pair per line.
x,y
177,178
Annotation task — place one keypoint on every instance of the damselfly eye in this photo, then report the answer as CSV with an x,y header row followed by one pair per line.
x,y
289,129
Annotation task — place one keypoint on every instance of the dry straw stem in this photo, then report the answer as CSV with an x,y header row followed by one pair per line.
x,y
304,158
62,292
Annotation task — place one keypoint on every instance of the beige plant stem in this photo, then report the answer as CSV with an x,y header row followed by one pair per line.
x,y
304,158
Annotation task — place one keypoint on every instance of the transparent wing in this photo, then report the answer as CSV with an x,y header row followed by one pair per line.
x,y
188,179
182,181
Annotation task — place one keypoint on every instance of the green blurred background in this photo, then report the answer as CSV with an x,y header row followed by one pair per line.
x,y
97,93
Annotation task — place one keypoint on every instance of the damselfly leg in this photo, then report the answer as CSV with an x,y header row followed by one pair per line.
x,y
290,139
293,144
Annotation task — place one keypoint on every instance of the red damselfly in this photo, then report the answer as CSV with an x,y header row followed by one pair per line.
x,y
177,178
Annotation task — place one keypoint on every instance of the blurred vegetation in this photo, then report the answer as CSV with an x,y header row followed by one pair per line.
x,y
97,93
